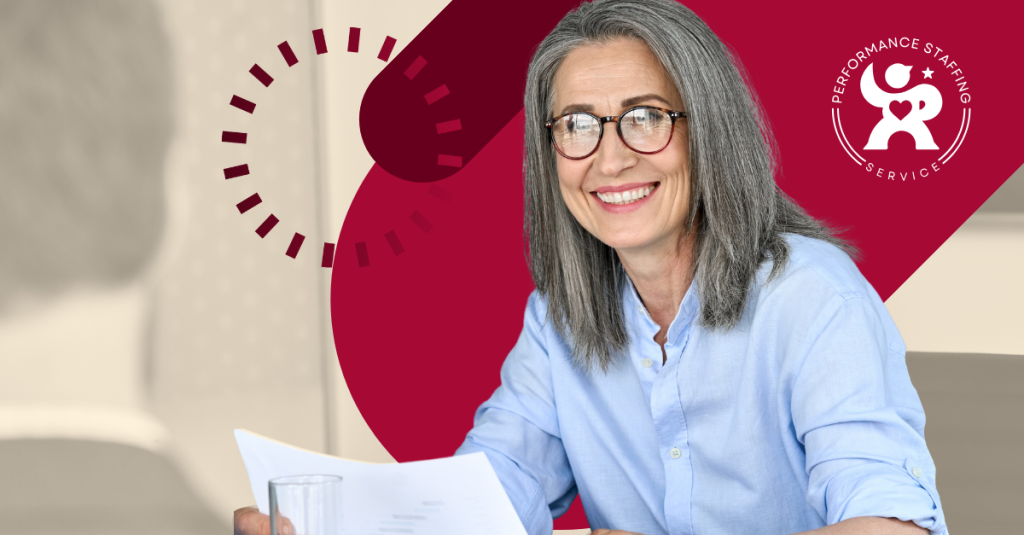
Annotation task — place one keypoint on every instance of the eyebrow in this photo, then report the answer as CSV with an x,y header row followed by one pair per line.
x,y
629,102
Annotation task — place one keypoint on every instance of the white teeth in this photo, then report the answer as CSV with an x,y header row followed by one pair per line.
x,y
625,197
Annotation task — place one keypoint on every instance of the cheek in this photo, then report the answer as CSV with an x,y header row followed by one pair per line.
x,y
571,197
677,162
570,182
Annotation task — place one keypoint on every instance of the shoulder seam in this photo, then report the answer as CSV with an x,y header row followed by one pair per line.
x,y
813,268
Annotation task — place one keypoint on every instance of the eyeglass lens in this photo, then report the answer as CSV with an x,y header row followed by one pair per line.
x,y
643,130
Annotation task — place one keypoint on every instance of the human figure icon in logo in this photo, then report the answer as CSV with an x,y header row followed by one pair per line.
x,y
924,101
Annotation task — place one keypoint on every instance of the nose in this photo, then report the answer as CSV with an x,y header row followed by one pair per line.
x,y
613,156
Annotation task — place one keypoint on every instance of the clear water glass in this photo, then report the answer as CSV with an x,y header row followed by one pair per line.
x,y
305,505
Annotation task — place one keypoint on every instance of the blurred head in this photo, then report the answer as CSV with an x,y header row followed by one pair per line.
x,y
85,121
715,177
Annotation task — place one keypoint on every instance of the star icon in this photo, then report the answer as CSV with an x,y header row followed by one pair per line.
x,y
927,72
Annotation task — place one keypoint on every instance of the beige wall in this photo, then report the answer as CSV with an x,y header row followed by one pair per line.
x,y
238,325
967,297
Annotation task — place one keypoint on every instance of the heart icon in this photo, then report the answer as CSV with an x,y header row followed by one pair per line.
x,y
901,108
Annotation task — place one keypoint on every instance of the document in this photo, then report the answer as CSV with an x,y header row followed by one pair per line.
x,y
447,496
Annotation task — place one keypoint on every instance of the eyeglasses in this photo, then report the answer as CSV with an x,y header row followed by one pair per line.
x,y
644,129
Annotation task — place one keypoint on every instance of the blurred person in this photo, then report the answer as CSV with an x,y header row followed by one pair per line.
x,y
699,355
85,123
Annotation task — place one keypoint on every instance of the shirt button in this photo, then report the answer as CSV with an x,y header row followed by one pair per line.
x,y
916,471
675,453
647,363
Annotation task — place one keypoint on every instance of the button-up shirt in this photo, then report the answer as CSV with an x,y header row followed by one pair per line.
x,y
801,415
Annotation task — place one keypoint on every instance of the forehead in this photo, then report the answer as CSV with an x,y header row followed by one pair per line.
x,y
601,75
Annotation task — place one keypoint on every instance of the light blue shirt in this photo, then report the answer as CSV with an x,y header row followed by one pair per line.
x,y
802,415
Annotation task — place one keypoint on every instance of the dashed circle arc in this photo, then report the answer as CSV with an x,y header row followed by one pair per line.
x,y
362,256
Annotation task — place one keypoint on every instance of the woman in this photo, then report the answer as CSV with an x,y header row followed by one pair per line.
x,y
699,356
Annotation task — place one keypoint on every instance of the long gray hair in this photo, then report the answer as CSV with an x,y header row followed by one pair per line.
x,y
732,161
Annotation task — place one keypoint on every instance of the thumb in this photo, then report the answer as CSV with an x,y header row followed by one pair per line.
x,y
286,527
250,521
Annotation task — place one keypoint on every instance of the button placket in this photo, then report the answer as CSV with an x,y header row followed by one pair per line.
x,y
670,423
647,326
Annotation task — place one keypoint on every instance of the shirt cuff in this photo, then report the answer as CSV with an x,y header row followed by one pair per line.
x,y
880,489
523,491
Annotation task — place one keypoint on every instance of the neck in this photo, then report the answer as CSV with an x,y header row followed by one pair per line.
x,y
662,273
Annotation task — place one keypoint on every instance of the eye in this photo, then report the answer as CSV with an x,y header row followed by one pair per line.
x,y
649,115
645,119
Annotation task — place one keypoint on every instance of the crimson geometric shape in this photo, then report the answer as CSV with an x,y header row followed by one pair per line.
x,y
436,94
243,104
440,193
328,259
361,255
248,203
353,39
385,50
396,245
236,171
261,75
287,54
295,245
319,42
267,225
449,126
415,68
449,160
233,137
421,221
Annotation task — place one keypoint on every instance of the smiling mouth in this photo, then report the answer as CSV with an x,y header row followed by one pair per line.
x,y
626,197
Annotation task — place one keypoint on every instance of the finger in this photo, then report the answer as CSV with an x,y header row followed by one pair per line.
x,y
250,521
287,528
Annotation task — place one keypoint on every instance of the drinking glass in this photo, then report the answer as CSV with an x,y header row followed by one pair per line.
x,y
305,505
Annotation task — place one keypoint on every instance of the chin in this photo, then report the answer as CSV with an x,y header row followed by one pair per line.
x,y
623,240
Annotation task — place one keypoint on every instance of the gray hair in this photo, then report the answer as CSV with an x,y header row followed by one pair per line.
x,y
732,162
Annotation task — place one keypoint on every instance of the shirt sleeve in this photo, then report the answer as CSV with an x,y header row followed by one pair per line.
x,y
517,428
861,422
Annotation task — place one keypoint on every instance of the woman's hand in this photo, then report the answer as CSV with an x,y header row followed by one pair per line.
x,y
250,521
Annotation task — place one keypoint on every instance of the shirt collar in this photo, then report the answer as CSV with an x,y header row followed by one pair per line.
x,y
642,318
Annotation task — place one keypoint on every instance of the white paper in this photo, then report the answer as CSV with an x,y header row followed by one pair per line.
x,y
447,496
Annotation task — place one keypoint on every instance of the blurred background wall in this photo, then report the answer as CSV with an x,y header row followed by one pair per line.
x,y
142,318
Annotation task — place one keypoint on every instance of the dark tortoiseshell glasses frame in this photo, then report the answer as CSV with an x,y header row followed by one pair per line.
x,y
672,114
